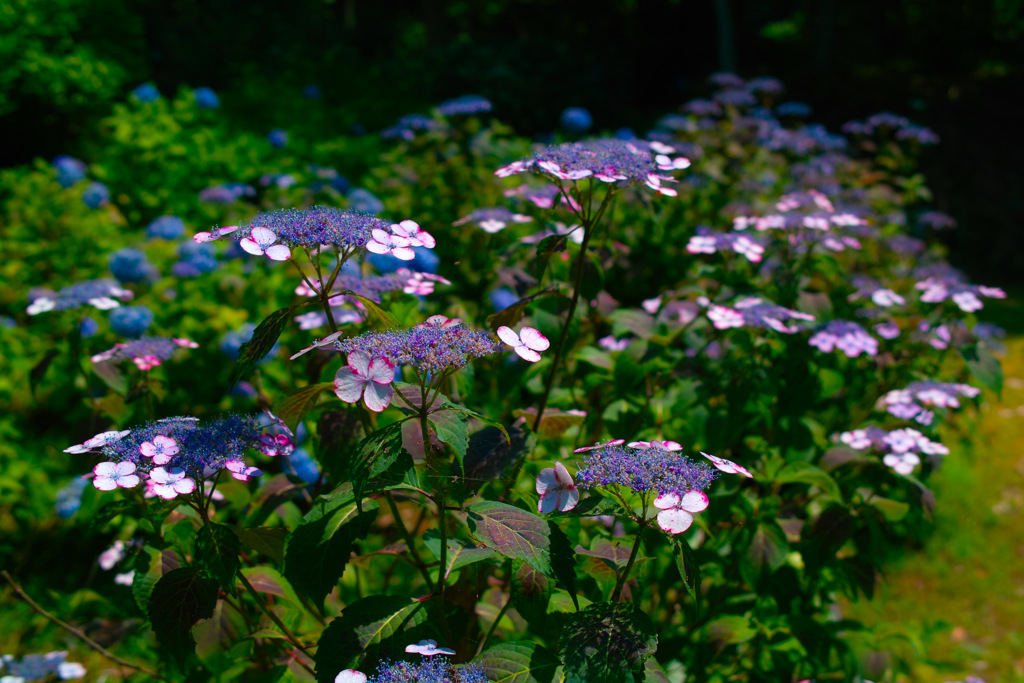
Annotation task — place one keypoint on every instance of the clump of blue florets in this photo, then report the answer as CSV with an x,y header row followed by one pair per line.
x,y
644,470
101,294
319,225
39,667
429,671
427,348
131,322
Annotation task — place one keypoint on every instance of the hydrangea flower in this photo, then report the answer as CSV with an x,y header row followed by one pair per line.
x,y
794,109
149,351
755,312
542,196
227,193
147,92
643,470
430,349
99,441
613,442
216,233
131,322
69,170
428,670
111,556
576,120
69,498
664,445
278,138
526,344
608,160
677,510
367,378
350,676
262,241
160,449
914,401
707,241
96,195
110,475
40,667
169,483
610,343
206,98
428,648
166,228
949,283
362,200
847,336
557,490
466,105
727,466
898,441
241,472
493,219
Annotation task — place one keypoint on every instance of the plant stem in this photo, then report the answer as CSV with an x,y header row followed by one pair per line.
x,y
410,541
76,632
494,626
620,584
273,617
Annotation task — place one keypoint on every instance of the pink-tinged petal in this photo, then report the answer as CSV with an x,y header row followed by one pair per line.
x,y
639,444
350,676
104,483
105,469
201,237
667,501
185,343
279,252
403,253
426,239
359,362
378,396
263,237
567,499
165,491
128,482
377,247
694,501
148,449
548,502
675,521
185,486
508,336
381,371
348,386
546,479
527,354
123,469
161,459
250,247
563,476
534,339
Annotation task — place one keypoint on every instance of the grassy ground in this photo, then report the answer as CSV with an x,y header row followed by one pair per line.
x,y
963,593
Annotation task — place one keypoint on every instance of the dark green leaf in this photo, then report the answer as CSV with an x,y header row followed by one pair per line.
x,y
338,430
268,540
319,549
459,554
293,407
513,532
728,630
453,429
984,367
373,307
181,598
689,570
607,643
491,452
217,551
627,373
150,566
263,340
374,455
448,405
805,473
768,547
892,510
35,375
368,625
831,382
519,662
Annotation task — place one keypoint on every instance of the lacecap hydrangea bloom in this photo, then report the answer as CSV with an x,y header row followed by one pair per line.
x,y
918,398
39,668
100,294
708,241
941,282
131,322
95,195
69,170
426,671
493,219
902,448
146,353
658,468
755,312
166,228
607,160
847,336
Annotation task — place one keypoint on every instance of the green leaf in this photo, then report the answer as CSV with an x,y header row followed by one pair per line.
x,y
38,371
607,643
768,546
892,510
984,367
805,473
513,533
263,339
459,554
520,661
831,382
217,551
266,580
373,307
689,570
373,456
728,630
319,549
368,625
150,566
293,407
448,405
627,374
268,540
337,429
180,599
453,429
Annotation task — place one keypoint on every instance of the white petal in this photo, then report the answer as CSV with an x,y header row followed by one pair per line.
x,y
562,475
567,499
667,501
250,247
546,479
381,371
263,237
403,253
105,469
129,481
104,483
279,252
377,247
350,676
534,339
527,354
548,502
675,521
348,386
378,396
508,336
185,486
694,501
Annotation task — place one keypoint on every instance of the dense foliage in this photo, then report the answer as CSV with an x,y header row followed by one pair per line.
x,y
610,409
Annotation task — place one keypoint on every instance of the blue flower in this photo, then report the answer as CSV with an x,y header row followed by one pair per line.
x,y
146,92
88,327
277,138
166,228
206,98
96,195
232,341
503,298
130,265
131,322
303,466
425,261
364,201
69,498
576,120
69,170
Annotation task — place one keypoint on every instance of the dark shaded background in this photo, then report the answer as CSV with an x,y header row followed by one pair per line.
x,y
952,65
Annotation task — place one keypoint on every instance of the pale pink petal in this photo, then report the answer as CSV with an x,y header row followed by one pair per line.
x,y
534,339
123,469
129,481
527,354
508,336
104,483
426,239
185,486
350,676
546,479
279,252
250,247
567,499
403,253
165,491
377,247
675,521
562,475
378,396
359,362
694,501
148,449
667,501
548,502
201,237
381,371
348,386
263,237
161,459
105,469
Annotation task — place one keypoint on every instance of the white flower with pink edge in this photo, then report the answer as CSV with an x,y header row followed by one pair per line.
x,y
677,511
110,475
160,449
262,242
169,483
557,490
527,343
366,378
727,466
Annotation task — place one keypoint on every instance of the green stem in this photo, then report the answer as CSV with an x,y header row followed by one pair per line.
x,y
410,542
620,584
494,626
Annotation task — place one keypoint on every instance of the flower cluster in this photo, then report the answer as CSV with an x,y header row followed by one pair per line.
x,y
465,105
166,228
425,671
608,160
69,170
542,196
755,312
40,667
902,447
493,219
436,346
228,193
943,282
643,469
146,353
708,241
870,288
101,294
847,336
917,398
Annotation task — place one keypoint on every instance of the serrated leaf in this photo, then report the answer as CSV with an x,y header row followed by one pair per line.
x,y
519,662
607,643
263,339
293,407
217,551
513,533
180,599
768,547
459,554
367,625
806,473
689,570
319,549
374,455
268,540
491,452
453,429
150,565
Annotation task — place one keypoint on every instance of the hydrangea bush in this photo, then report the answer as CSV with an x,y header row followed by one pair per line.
x,y
603,410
